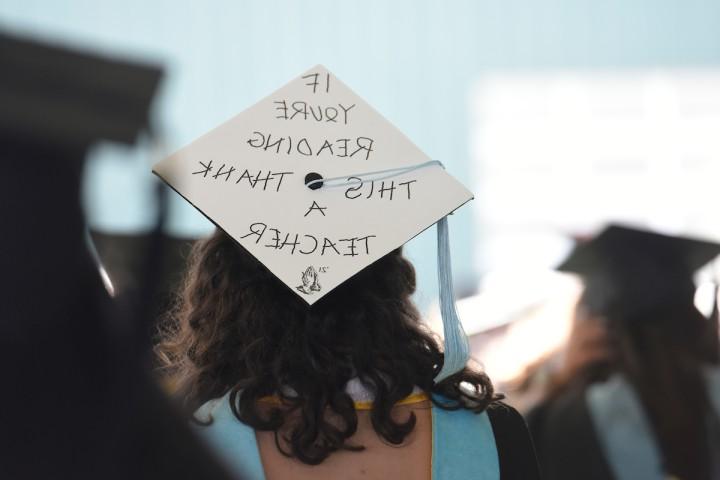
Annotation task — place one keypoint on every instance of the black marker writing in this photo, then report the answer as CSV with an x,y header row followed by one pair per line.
x,y
359,183
341,147
304,148
314,82
331,114
315,207
222,171
262,180
275,239
325,145
307,244
327,243
386,190
207,169
293,243
313,240
302,110
282,107
257,228
407,184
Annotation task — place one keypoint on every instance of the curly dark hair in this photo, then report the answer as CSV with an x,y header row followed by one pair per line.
x,y
236,328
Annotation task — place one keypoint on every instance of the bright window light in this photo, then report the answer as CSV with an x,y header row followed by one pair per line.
x,y
561,153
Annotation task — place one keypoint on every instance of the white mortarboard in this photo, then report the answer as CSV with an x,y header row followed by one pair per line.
x,y
317,185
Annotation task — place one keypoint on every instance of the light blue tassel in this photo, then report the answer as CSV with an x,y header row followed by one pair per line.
x,y
457,347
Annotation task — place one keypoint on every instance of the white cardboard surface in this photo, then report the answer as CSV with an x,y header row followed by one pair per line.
x,y
312,240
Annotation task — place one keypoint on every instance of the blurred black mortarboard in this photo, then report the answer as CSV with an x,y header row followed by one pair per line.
x,y
628,271
63,96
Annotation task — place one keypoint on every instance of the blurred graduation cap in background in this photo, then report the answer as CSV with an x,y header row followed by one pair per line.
x,y
67,97
629,271
62,340
68,100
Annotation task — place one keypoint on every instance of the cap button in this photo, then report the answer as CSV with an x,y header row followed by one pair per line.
x,y
312,176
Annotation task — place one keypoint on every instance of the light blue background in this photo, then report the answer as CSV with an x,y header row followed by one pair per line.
x,y
415,61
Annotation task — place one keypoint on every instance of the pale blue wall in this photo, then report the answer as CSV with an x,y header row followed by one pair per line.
x,y
414,60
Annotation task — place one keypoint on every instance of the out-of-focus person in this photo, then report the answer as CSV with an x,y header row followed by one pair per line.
x,y
78,400
637,395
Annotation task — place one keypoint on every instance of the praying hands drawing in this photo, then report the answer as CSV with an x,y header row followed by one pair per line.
x,y
310,282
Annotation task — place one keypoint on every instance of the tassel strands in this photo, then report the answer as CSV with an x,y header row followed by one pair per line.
x,y
457,347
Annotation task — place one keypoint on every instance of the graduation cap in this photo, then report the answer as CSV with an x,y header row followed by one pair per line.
x,y
628,271
71,98
317,185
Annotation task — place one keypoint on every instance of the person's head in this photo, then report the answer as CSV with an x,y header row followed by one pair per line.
x,y
238,328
